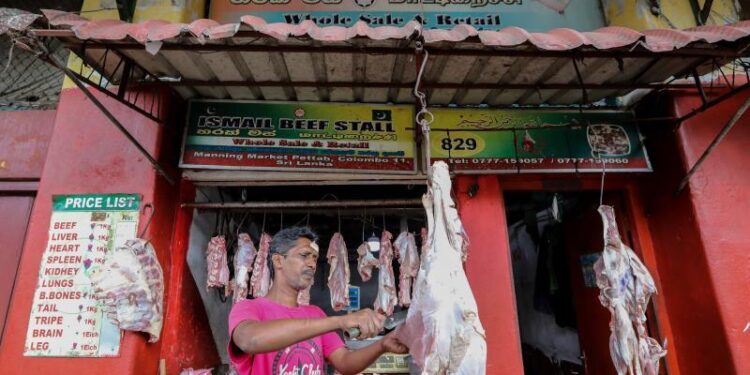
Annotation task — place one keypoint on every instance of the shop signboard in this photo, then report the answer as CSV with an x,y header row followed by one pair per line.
x,y
326,137
65,319
532,15
513,141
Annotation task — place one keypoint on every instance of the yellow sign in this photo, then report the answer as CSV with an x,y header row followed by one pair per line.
x,y
389,364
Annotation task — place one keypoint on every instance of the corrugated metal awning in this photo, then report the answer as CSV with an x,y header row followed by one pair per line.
x,y
255,60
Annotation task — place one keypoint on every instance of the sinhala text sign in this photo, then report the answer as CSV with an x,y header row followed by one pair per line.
x,y
299,136
65,319
511,141
533,15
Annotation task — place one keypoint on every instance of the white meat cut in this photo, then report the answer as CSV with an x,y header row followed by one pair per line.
x,y
130,286
243,264
442,328
216,263
408,257
260,281
338,277
366,261
626,287
386,299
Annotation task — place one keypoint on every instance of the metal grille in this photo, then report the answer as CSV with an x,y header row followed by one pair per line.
x,y
27,82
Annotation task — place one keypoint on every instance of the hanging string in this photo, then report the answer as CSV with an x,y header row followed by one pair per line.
x,y
263,225
239,226
604,172
338,212
364,222
384,221
282,220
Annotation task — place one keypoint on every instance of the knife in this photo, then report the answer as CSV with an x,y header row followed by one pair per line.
x,y
391,322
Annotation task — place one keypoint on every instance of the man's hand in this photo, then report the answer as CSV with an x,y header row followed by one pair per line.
x,y
353,362
368,322
391,344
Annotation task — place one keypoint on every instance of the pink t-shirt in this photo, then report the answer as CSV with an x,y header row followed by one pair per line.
x,y
304,358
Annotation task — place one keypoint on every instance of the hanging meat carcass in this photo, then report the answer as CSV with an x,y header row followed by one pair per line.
x,y
338,277
626,287
366,261
243,264
130,287
442,328
408,257
216,263
386,299
260,281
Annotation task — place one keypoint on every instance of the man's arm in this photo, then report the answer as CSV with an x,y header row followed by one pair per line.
x,y
353,362
252,336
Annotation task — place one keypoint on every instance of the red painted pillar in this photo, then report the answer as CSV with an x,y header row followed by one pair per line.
x,y
187,339
719,194
489,270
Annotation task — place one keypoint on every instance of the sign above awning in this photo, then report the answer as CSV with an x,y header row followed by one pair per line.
x,y
532,15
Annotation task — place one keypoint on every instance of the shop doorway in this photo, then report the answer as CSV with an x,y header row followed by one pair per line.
x,y
283,208
554,240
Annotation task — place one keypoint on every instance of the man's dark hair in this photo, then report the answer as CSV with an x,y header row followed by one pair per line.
x,y
286,239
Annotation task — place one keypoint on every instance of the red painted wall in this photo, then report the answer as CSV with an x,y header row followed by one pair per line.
x,y
187,336
88,155
700,238
488,268
24,138
12,233
720,196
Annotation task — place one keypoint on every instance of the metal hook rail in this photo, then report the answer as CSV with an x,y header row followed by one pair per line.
x,y
392,203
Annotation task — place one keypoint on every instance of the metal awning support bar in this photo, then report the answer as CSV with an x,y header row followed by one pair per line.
x,y
74,77
393,203
712,103
719,137
428,85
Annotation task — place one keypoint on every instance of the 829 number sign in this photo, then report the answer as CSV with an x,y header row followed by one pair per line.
x,y
458,144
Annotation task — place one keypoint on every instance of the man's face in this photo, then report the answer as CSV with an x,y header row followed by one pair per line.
x,y
299,263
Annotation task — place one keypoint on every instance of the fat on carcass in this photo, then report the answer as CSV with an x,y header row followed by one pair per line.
x,y
408,257
260,281
366,261
130,287
386,299
243,264
442,329
216,263
338,277
626,287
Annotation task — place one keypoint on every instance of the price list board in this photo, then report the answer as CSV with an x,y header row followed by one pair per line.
x,y
66,320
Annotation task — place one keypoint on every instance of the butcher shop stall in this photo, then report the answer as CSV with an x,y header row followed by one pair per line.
x,y
359,228
553,175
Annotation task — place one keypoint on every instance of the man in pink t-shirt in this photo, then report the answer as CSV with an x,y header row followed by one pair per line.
x,y
273,335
